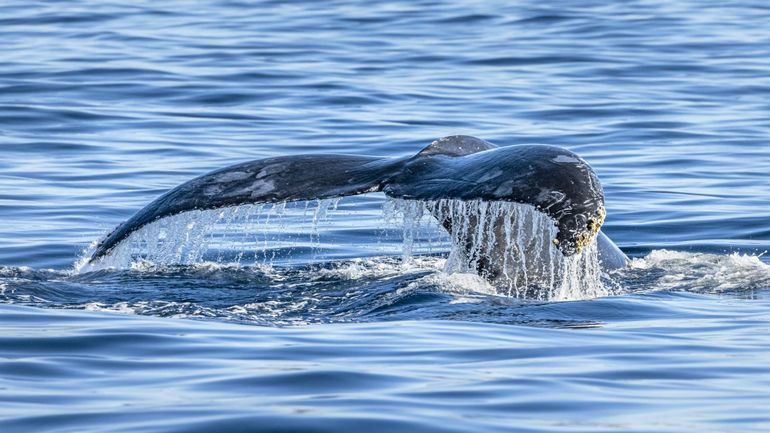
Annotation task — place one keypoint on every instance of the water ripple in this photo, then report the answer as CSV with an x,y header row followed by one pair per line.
x,y
106,105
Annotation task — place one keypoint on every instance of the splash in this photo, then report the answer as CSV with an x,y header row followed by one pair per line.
x,y
509,244
697,272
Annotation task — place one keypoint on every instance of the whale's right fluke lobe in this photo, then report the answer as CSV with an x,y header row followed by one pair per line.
x,y
281,179
553,180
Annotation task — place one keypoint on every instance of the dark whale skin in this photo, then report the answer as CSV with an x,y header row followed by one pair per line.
x,y
553,180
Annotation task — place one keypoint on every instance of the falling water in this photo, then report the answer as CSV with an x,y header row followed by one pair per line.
x,y
245,235
510,244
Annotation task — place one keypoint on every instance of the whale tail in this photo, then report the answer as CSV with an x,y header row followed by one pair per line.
x,y
553,180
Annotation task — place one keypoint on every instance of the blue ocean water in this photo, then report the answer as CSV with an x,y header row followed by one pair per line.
x,y
315,322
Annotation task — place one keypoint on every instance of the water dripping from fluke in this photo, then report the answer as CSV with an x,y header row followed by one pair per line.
x,y
247,235
507,244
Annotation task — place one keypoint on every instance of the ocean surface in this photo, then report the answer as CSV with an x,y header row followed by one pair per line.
x,y
324,316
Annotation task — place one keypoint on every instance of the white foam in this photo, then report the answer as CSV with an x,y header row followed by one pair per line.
x,y
378,267
705,273
457,283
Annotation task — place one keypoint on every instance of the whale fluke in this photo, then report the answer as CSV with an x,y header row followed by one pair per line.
x,y
553,180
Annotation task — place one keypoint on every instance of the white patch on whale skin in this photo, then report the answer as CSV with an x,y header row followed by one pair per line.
x,y
262,187
219,187
271,169
211,190
233,175
566,159
550,198
255,190
491,175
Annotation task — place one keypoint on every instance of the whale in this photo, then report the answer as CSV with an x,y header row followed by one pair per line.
x,y
552,180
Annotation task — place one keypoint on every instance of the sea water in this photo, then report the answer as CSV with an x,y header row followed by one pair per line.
x,y
365,317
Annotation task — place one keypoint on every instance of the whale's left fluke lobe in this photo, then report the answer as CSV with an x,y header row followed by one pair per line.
x,y
280,179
